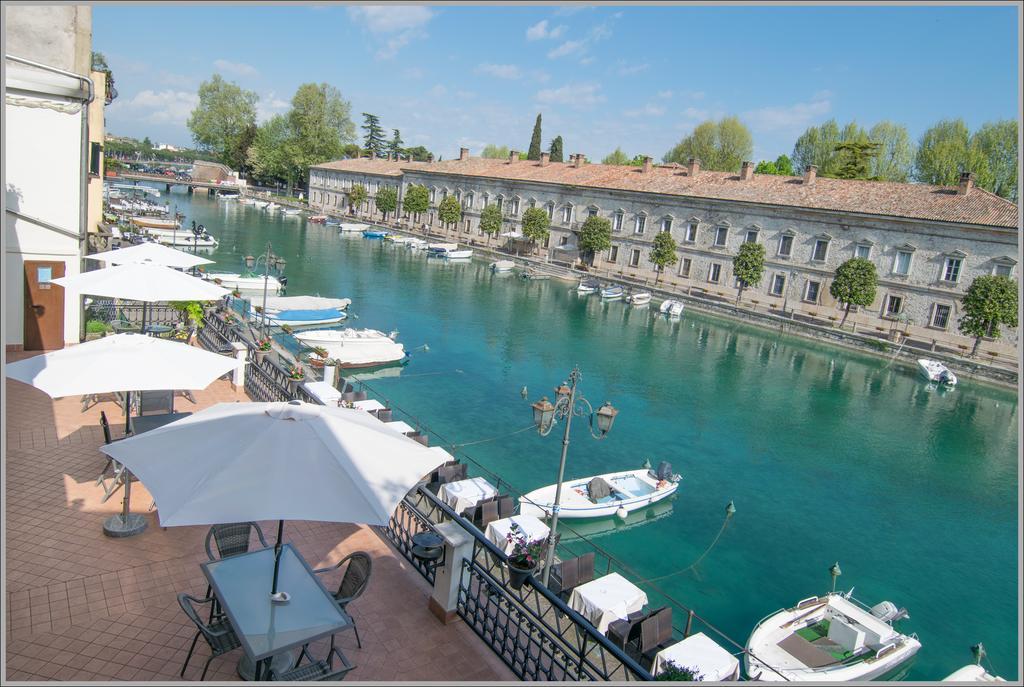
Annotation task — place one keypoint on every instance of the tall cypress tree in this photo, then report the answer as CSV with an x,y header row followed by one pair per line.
x,y
396,143
534,151
556,150
374,138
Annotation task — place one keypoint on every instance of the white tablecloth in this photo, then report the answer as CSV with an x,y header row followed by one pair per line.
x,y
700,652
466,493
399,426
368,405
607,599
324,392
532,527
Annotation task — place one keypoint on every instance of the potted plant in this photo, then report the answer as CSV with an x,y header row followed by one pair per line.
x,y
263,347
236,293
524,557
295,376
673,671
318,356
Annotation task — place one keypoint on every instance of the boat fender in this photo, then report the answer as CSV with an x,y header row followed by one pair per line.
x,y
661,484
621,513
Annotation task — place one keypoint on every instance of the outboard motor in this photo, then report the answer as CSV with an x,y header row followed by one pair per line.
x,y
283,280
664,470
888,612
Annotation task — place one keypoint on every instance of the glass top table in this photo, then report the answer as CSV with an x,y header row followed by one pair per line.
x,y
145,423
242,584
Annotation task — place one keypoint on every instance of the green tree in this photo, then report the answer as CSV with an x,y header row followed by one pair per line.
x,y
535,224
637,161
320,125
720,146
490,220
817,146
556,150
99,64
533,152
748,266
395,144
351,150
895,157
616,157
373,139
664,252
417,199
595,236
449,211
419,153
224,114
495,152
270,157
356,196
853,159
387,200
945,151
990,302
997,143
855,283
782,166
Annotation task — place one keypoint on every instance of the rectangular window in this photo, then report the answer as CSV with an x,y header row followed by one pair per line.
x,y
634,257
862,251
812,291
893,305
1003,270
820,250
901,266
951,270
499,203
566,214
940,316
617,222
613,254
592,212
547,241
563,240
515,206
721,236
714,272
684,267
778,286
551,209
433,195
691,233
785,246
638,226
95,156
751,236
666,224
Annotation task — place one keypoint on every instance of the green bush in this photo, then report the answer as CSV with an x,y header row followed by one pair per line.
x,y
96,327
674,671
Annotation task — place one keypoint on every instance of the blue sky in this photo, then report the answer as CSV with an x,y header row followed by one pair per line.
x,y
630,76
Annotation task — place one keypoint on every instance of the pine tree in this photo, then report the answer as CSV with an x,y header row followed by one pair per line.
x,y
534,151
395,144
374,139
556,150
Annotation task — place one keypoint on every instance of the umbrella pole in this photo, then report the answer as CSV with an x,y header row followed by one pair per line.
x,y
276,596
125,524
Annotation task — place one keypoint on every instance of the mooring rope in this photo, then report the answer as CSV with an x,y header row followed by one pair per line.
x,y
728,516
500,436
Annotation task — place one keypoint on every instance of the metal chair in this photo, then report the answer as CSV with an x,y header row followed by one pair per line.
x,y
353,583
230,540
218,632
156,401
488,513
506,506
117,478
655,634
318,671
623,631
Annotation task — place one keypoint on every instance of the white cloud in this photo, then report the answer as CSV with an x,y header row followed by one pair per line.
x,y
589,59
236,68
541,31
694,95
665,94
175,80
691,116
499,71
269,105
413,73
158,107
648,110
402,23
540,76
437,91
788,117
566,48
626,69
574,95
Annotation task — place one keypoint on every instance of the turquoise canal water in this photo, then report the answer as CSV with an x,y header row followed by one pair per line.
x,y
828,456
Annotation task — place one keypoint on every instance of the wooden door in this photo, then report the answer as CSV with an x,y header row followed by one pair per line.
x,y
44,306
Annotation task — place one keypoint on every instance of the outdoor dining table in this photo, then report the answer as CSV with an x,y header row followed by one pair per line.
x,y
266,629
532,527
466,493
158,329
699,651
323,392
400,427
606,599
369,405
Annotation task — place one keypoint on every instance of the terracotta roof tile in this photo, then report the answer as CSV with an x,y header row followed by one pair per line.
x,y
917,201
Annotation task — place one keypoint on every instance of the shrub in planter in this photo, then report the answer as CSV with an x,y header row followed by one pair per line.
x,y
676,672
524,556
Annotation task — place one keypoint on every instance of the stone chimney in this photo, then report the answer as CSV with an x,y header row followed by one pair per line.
x,y
513,156
966,183
747,171
545,158
463,154
810,174
693,167
648,164
578,160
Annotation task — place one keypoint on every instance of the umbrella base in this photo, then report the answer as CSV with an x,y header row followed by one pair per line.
x,y
280,663
118,526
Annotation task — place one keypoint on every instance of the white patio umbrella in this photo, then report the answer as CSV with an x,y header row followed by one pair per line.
x,y
154,253
237,462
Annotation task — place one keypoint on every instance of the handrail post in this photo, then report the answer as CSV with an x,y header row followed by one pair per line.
x,y
689,624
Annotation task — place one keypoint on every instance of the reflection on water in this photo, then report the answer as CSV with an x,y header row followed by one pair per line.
x,y
595,528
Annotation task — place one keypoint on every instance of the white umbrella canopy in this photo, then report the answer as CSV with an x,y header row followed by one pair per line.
x,y
123,362
154,253
237,462
142,282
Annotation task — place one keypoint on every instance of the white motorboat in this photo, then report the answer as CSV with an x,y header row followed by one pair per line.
x,y
612,292
260,204
301,318
272,206
350,227
396,239
228,195
588,286
464,254
672,308
600,496
156,223
448,250
639,298
247,201
355,347
832,638
292,212
185,239
934,371
503,265
245,282
972,673
276,304
416,244
441,247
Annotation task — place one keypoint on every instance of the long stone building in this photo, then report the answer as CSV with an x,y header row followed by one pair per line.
x,y
927,242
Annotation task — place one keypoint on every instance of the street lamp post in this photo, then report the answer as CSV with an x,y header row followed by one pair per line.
x,y
545,414
251,262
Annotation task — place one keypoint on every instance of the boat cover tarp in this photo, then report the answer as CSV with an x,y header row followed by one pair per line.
x,y
306,303
308,315
598,489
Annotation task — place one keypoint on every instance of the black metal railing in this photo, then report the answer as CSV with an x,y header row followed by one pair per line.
x,y
107,310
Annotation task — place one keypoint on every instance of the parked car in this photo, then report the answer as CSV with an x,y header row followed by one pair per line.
x,y
169,173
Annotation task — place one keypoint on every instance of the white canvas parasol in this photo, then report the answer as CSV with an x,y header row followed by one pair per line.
x,y
154,253
142,282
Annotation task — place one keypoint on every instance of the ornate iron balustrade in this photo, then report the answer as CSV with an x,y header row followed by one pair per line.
x,y
261,385
106,310
406,522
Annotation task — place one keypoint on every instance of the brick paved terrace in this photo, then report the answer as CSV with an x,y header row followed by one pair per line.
x,y
83,606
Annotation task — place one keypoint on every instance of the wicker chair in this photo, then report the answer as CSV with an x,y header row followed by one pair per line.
x,y
655,635
218,632
353,583
572,573
506,507
315,671
117,477
488,513
621,632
